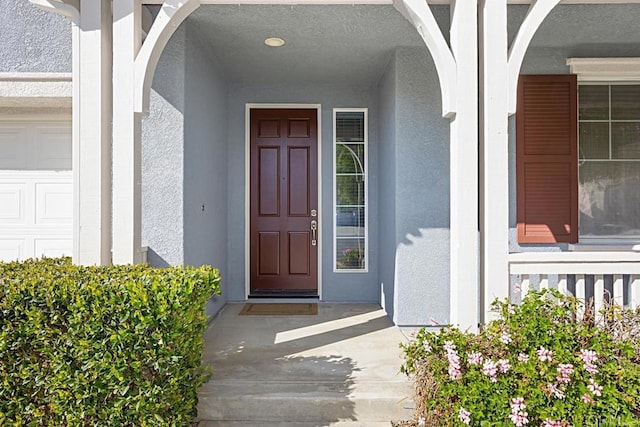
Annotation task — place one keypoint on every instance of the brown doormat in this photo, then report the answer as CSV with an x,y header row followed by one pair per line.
x,y
275,309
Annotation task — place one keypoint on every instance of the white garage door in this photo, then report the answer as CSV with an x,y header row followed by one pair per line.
x,y
36,189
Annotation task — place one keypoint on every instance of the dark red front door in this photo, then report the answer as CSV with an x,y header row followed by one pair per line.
x,y
284,198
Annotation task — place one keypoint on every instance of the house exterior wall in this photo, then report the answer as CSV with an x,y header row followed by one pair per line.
x,y
33,41
387,118
415,194
163,133
543,59
205,165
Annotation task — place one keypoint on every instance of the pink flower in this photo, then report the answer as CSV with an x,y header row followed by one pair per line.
x,y
505,338
490,369
474,358
464,416
454,360
565,370
517,404
433,321
545,355
518,415
523,358
517,288
586,398
555,391
594,388
510,309
504,366
589,357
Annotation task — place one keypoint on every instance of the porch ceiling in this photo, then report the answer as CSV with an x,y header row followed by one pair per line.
x,y
346,44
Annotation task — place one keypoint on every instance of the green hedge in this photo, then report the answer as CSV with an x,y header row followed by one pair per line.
x,y
108,346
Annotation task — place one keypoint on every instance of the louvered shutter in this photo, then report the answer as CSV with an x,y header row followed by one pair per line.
x,y
547,159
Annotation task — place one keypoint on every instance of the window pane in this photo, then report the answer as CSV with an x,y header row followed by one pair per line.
x,y
625,140
350,126
594,141
609,198
350,158
593,102
350,222
350,190
350,254
625,102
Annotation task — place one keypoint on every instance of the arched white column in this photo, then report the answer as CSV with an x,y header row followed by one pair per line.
x,y
91,140
537,12
420,15
172,14
499,79
69,8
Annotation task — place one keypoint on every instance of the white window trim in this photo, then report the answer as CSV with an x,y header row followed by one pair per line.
x,y
366,192
609,71
605,69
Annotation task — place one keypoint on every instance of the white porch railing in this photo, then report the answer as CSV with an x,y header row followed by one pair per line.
x,y
601,276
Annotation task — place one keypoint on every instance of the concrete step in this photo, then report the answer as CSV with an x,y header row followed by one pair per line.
x,y
311,403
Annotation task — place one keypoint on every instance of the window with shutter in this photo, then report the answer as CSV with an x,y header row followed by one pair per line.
x,y
547,159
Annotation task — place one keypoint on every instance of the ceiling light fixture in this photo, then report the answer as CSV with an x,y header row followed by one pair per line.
x,y
274,42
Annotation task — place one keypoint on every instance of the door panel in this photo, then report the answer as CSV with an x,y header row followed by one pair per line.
x,y
284,191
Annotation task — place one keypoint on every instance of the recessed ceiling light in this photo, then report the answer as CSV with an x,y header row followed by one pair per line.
x,y
274,42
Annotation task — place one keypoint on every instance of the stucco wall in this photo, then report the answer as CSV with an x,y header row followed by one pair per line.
x,y
387,168
422,193
205,164
580,31
32,40
163,158
336,286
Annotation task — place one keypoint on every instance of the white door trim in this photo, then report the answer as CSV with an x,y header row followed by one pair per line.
x,y
247,189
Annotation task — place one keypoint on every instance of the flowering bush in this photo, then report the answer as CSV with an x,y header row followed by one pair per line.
x,y
535,366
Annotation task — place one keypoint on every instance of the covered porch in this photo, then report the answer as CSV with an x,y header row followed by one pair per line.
x,y
441,61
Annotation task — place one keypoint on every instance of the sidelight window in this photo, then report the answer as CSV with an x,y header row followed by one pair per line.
x,y
350,189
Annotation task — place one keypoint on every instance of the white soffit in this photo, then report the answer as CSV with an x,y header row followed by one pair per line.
x,y
35,90
605,69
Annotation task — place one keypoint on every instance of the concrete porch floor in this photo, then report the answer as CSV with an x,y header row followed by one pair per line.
x,y
340,367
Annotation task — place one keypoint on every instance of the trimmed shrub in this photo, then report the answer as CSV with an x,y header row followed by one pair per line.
x,y
113,345
537,365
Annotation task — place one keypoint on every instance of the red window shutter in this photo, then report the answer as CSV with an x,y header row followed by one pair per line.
x,y
547,159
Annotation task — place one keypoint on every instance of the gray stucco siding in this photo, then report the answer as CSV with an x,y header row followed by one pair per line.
x,y
33,40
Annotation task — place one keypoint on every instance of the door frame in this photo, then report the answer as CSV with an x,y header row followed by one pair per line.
x,y
247,186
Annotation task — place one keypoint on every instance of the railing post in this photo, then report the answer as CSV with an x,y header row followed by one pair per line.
x,y
562,284
580,295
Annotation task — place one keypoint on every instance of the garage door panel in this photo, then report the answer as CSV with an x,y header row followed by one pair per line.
x,y
52,148
12,203
54,203
12,249
52,247
36,190
13,147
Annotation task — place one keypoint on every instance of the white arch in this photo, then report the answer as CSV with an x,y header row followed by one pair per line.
x,y
419,14
538,11
172,14
69,8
